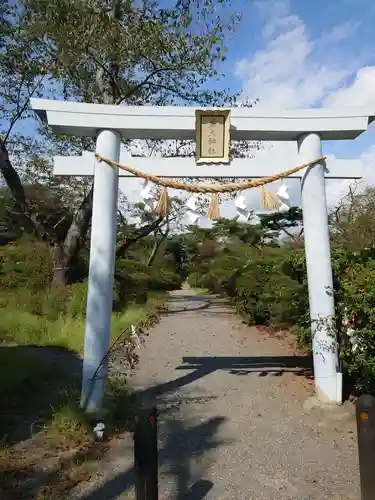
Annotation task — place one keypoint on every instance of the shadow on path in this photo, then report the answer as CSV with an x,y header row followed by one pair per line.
x,y
235,365
201,307
198,303
243,365
182,444
186,444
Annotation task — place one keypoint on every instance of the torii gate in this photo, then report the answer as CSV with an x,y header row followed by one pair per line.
x,y
110,123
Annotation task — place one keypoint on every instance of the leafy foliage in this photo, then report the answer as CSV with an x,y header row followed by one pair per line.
x,y
113,52
126,52
268,284
284,222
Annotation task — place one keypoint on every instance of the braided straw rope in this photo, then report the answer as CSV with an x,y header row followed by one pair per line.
x,y
201,187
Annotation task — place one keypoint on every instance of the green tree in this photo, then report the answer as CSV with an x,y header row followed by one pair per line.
x,y
284,222
107,51
352,221
231,229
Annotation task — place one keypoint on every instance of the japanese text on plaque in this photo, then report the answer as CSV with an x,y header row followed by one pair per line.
x,y
213,136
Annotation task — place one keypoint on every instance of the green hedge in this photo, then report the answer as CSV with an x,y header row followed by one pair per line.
x,y
270,288
356,294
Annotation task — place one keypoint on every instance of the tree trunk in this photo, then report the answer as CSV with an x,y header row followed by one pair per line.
x,y
59,275
14,184
298,242
78,229
157,244
299,239
64,254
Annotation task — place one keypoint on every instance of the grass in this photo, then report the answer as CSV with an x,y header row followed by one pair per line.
x,y
66,330
39,395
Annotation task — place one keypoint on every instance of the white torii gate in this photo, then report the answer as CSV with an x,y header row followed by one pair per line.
x,y
111,123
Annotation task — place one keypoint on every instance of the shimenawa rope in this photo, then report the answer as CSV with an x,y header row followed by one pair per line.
x,y
216,188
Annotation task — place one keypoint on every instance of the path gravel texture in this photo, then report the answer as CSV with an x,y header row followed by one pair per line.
x,y
233,420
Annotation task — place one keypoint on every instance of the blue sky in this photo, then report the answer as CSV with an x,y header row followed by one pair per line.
x,y
308,53
301,54
304,53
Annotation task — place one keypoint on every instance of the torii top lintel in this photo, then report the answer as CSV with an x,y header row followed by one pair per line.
x,y
177,122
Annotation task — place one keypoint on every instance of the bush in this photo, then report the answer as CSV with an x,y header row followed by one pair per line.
x,y
264,294
164,279
214,275
195,280
356,298
135,279
26,264
132,281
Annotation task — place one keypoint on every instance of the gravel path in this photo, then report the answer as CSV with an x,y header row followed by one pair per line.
x,y
232,423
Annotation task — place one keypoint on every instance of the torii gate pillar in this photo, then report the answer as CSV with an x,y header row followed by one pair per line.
x,y
319,270
101,273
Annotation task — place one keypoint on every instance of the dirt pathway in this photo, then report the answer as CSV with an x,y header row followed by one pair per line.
x,y
232,423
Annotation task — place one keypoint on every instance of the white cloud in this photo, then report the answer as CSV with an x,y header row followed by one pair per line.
x,y
359,93
336,190
296,70
293,69
341,32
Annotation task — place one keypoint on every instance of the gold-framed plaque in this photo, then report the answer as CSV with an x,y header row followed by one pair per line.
x,y
212,135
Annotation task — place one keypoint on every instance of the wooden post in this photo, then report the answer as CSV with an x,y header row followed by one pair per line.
x,y
365,411
146,450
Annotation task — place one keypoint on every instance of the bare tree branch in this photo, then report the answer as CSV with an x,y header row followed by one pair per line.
x,y
146,81
15,186
143,231
22,109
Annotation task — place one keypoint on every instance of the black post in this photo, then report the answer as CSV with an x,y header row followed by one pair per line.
x,y
146,450
365,410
